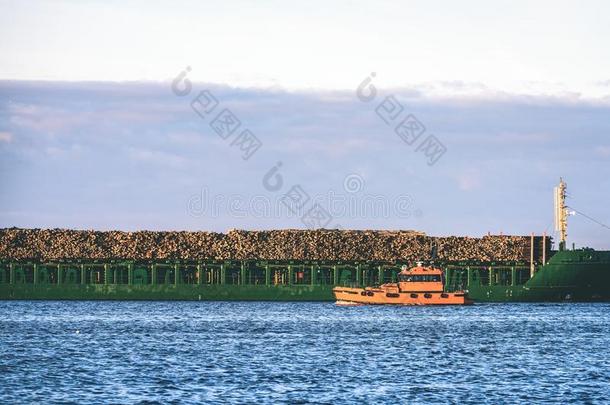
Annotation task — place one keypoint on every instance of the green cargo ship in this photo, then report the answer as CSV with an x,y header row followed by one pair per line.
x,y
577,275
563,275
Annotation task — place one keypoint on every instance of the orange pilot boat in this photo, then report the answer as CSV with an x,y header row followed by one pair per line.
x,y
416,286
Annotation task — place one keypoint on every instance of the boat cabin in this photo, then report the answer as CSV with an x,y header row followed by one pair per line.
x,y
420,279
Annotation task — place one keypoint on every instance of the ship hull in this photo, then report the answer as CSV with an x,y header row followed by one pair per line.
x,y
277,293
180,292
582,276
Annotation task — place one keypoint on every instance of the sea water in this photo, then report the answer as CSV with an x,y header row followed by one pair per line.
x,y
270,352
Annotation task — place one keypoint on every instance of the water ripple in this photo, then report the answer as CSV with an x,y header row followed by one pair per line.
x,y
217,352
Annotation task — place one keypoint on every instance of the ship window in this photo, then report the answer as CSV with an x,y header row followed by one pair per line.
x,y
427,295
443,295
392,295
414,295
420,278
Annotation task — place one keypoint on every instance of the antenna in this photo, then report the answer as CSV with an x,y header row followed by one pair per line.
x,y
561,213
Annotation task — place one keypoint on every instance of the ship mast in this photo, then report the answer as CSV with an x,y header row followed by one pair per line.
x,y
561,213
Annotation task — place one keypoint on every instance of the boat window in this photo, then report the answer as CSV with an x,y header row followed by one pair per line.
x,y
392,295
419,278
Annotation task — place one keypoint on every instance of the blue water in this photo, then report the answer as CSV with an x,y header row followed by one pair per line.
x,y
185,352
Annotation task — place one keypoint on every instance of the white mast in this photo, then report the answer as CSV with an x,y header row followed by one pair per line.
x,y
561,213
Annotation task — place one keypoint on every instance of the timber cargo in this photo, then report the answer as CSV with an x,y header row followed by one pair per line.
x,y
289,244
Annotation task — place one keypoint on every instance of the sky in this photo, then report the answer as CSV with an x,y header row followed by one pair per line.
x,y
111,115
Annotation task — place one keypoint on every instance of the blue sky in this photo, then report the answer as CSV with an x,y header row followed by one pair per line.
x,y
92,136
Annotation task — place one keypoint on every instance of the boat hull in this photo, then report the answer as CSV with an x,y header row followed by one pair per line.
x,y
344,295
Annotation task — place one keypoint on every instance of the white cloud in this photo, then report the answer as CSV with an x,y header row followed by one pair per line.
x,y
330,147
6,137
524,138
603,151
157,157
271,43
187,138
63,152
469,180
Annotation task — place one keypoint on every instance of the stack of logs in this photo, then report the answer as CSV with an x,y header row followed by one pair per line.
x,y
52,244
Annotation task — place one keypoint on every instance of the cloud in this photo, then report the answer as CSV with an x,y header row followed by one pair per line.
x,y
325,147
45,119
525,138
603,151
134,139
69,151
157,157
469,180
186,138
6,137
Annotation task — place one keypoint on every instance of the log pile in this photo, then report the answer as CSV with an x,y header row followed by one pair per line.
x,y
53,244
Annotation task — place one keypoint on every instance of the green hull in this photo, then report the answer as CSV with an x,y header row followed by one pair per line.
x,y
569,276
582,275
181,292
